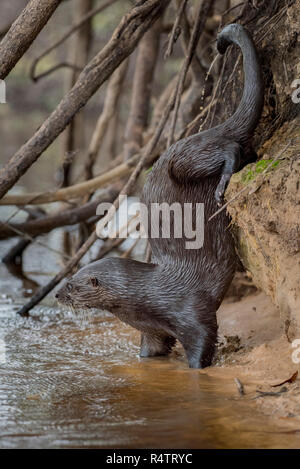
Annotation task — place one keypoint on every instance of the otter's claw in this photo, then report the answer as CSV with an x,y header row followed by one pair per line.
x,y
221,188
219,198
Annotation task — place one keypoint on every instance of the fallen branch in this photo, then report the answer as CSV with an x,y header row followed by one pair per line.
x,y
125,38
23,32
77,190
239,386
47,223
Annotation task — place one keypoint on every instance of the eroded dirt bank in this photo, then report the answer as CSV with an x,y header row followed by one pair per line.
x,y
265,218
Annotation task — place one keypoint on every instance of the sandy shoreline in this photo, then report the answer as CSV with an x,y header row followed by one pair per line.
x,y
255,350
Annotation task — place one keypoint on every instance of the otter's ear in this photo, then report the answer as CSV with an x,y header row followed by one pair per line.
x,y
94,281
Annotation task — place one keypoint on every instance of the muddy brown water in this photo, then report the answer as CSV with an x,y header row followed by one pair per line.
x,y
77,382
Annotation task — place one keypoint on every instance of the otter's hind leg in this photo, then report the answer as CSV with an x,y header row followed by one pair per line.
x,y
199,344
154,345
222,158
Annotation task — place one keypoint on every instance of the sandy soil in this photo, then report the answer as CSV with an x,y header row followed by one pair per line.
x,y
255,350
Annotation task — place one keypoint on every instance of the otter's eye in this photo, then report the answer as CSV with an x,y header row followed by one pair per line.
x,y
94,281
69,287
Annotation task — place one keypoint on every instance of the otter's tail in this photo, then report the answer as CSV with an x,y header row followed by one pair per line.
x,y
243,122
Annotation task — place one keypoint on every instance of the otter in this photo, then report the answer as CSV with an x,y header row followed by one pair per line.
x,y
177,295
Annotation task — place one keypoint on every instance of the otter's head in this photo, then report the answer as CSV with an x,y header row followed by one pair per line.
x,y
90,287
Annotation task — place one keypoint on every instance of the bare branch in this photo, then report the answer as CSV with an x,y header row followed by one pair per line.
x,y
66,35
175,28
58,67
198,71
46,223
77,190
23,32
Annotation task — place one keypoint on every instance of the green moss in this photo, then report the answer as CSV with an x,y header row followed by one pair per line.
x,y
258,168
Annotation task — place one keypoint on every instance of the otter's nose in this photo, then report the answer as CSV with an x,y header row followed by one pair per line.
x,y
57,295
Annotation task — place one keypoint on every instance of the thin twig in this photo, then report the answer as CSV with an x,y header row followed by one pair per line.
x,y
66,35
232,8
108,247
17,250
174,32
60,218
198,27
57,67
213,101
114,243
240,386
274,20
